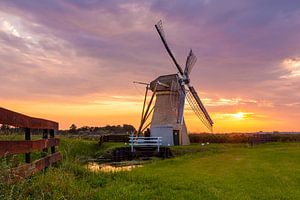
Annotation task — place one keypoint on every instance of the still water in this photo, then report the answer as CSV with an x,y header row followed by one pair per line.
x,y
97,167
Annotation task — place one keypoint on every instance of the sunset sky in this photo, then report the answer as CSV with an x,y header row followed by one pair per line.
x,y
75,61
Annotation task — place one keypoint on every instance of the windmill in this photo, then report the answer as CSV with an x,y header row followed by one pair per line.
x,y
171,91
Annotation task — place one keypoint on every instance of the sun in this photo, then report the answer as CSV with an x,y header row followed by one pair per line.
x,y
239,115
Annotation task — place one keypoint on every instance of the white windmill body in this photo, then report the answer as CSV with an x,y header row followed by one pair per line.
x,y
166,120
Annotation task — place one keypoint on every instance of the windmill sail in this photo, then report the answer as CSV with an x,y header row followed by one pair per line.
x,y
160,31
190,62
182,95
198,107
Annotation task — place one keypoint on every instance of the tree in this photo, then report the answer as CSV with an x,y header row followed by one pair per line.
x,y
73,128
127,128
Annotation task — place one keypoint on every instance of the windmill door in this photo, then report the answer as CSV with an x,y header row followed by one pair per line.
x,y
176,137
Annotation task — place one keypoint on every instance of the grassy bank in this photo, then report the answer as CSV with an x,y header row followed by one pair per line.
x,y
215,171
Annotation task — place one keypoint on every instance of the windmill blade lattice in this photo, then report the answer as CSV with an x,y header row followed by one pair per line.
x,y
200,104
194,104
190,62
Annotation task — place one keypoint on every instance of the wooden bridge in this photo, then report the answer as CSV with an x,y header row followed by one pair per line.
x,y
27,146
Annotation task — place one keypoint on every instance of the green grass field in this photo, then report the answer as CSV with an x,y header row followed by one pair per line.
x,y
215,171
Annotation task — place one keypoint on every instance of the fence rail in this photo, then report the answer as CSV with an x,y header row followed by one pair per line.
x,y
23,121
27,146
33,167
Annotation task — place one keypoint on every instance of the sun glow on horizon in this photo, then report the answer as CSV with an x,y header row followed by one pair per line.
x,y
234,116
239,115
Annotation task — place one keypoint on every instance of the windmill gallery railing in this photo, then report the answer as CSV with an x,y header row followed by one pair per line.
x,y
27,146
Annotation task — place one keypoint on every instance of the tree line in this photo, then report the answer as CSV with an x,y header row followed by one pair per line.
x,y
84,130
108,129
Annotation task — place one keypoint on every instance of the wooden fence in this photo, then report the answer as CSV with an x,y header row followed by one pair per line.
x,y
260,138
27,146
114,138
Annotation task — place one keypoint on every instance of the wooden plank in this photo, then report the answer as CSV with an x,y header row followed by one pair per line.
x,y
19,120
27,138
146,144
23,146
45,136
29,169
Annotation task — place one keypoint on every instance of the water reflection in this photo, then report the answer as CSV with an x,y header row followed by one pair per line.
x,y
96,167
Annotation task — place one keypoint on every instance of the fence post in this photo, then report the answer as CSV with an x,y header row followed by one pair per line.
x,y
52,136
158,143
131,143
27,137
45,136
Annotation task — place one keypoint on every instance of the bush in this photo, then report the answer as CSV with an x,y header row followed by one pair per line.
x,y
240,138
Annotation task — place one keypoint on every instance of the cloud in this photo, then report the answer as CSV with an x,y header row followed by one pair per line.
x,y
7,27
228,102
293,67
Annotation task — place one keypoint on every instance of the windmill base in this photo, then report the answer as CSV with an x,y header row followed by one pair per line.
x,y
171,136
